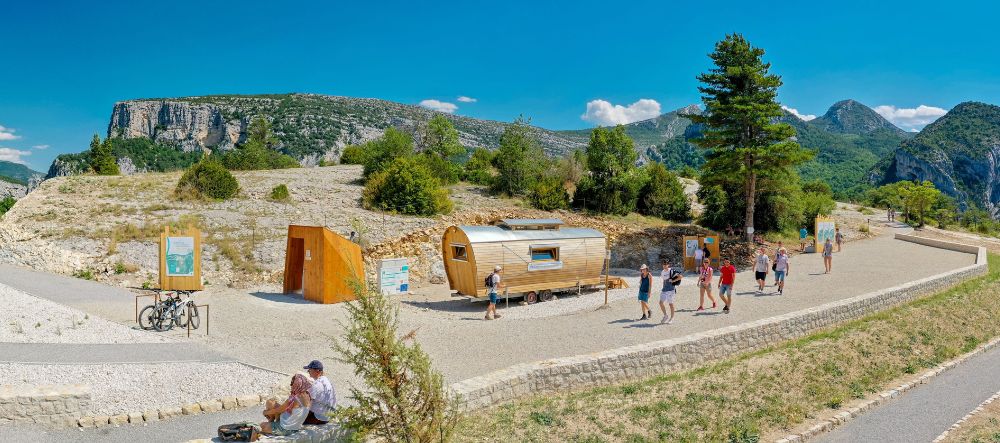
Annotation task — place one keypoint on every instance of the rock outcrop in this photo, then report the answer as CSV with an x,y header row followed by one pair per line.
x,y
8,189
192,126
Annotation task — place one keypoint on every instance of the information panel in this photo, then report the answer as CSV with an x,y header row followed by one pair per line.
x,y
393,276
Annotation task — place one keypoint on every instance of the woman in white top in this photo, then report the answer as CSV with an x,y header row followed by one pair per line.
x,y
286,418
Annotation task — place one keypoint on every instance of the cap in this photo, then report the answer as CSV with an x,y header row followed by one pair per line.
x,y
643,266
315,364
498,268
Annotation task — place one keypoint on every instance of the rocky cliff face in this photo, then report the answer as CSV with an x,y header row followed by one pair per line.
x,y
8,189
192,126
959,153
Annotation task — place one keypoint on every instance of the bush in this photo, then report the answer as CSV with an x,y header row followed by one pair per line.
x,y
817,186
6,204
688,172
352,155
447,172
816,204
663,196
255,157
548,193
280,193
479,168
381,152
406,186
207,179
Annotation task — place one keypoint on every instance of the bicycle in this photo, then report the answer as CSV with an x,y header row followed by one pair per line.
x,y
151,313
174,312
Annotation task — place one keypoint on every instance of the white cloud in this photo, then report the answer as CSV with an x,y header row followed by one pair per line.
x,y
13,155
603,112
439,106
7,133
40,147
465,99
796,113
911,119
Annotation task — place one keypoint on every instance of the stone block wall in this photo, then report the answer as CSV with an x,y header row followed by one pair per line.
x,y
43,405
677,354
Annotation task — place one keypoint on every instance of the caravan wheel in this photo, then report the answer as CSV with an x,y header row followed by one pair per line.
x,y
530,297
546,296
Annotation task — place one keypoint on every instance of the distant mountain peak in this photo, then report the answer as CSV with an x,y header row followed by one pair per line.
x,y
853,117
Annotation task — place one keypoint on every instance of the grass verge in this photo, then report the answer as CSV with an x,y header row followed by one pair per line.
x,y
764,393
984,427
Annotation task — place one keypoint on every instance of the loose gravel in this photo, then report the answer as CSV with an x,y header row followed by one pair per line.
x,y
29,319
124,388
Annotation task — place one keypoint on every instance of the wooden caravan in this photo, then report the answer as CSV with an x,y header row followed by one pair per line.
x,y
322,264
537,255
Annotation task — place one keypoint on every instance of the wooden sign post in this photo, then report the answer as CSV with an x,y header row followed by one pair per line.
x,y
180,260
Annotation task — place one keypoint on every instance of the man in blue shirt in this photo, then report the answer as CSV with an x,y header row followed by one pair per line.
x,y
803,233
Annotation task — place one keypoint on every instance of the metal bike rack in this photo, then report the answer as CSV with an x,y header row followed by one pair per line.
x,y
207,317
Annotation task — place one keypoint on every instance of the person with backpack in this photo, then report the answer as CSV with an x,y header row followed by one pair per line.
x,y
781,269
761,266
828,255
493,283
726,282
671,279
780,246
705,284
645,284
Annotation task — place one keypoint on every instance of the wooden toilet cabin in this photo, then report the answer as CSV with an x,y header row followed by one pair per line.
x,y
322,264
538,256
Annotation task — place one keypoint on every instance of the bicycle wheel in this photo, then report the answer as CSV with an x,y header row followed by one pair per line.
x,y
180,316
165,321
147,317
195,318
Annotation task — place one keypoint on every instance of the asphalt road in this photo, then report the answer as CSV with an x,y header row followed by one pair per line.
x,y
924,412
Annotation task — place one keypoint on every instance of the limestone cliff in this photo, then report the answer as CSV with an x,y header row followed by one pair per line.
x,y
192,126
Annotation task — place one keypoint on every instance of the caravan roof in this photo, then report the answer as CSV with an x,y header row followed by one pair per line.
x,y
487,234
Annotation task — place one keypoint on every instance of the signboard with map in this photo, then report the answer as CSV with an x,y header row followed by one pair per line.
x,y
180,260
825,228
393,276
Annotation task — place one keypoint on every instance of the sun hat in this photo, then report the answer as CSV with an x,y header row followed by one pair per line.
x,y
498,268
643,266
315,364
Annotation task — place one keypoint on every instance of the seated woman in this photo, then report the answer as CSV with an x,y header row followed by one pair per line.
x,y
286,418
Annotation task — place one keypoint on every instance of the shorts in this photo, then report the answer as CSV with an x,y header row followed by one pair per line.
x,y
706,285
724,288
760,275
644,296
276,429
493,298
779,275
311,419
667,296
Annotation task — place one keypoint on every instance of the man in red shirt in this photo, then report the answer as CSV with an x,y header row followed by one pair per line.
x,y
726,283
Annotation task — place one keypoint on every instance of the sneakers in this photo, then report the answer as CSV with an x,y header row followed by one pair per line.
x,y
713,305
497,316
488,317
666,320
649,314
725,310
700,308
643,317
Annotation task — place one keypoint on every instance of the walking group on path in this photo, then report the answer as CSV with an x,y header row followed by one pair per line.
x,y
671,278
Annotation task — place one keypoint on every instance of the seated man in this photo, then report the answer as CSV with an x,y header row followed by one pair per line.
x,y
324,398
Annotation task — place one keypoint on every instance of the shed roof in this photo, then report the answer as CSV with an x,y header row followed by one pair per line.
x,y
488,234
517,222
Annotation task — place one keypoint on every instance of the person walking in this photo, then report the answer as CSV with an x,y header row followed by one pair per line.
x,y
645,284
699,255
671,279
706,254
803,234
781,268
493,284
726,282
828,255
705,284
761,266
324,397
780,245
839,238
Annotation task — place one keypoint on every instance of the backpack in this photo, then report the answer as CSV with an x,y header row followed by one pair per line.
x,y
675,277
489,280
245,431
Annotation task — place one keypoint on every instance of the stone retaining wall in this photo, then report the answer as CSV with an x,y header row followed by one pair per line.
x,y
676,354
43,405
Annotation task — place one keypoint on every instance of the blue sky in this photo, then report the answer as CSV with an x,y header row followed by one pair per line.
x,y
64,64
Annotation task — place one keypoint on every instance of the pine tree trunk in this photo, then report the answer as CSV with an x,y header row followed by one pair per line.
x,y
751,193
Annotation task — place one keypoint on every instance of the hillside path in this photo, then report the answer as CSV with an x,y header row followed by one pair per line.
x,y
924,412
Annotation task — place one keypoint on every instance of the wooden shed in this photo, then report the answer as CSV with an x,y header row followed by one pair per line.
x,y
322,264
537,255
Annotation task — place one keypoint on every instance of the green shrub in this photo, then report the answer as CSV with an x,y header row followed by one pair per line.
x,y
663,196
815,204
255,157
352,155
6,204
548,193
406,186
86,274
447,172
479,169
381,152
207,179
280,193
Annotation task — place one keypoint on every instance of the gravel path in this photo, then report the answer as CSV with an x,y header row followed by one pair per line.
x,y
63,353
29,319
924,412
124,388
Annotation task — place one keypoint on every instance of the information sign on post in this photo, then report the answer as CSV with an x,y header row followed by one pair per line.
x,y
180,260
825,228
393,276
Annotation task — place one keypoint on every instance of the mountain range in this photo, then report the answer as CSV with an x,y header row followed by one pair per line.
x,y
856,147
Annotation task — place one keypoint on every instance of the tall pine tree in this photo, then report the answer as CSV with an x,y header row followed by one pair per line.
x,y
741,133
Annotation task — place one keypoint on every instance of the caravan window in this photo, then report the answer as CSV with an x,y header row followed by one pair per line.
x,y
544,253
458,252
